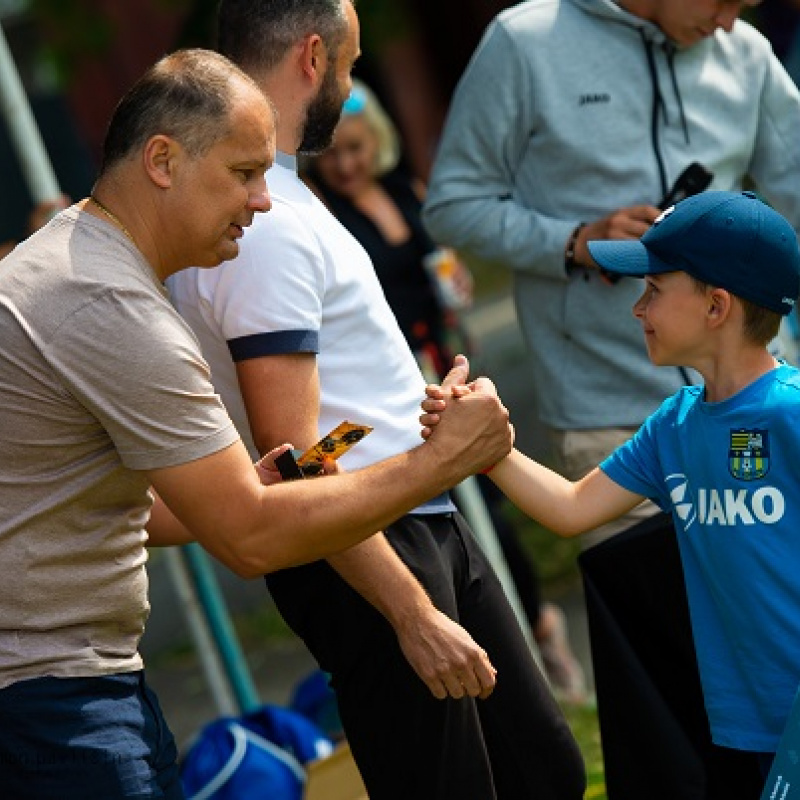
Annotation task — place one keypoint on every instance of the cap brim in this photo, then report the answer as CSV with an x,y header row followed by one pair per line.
x,y
627,257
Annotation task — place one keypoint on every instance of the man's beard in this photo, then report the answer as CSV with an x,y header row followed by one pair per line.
x,y
322,117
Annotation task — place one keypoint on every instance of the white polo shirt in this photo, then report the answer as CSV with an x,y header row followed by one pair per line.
x,y
303,283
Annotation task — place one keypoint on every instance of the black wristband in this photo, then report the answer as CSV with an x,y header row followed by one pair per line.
x,y
569,253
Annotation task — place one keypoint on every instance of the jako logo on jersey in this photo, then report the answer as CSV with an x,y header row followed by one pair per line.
x,y
765,505
748,456
683,506
593,99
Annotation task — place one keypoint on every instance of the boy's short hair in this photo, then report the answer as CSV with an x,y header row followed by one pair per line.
x,y
732,240
760,325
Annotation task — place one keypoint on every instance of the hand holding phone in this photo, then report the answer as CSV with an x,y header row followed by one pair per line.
x,y
693,180
292,464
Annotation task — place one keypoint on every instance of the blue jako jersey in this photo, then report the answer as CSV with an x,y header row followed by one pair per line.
x,y
729,473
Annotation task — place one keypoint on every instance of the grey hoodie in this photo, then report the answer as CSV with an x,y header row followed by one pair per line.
x,y
568,110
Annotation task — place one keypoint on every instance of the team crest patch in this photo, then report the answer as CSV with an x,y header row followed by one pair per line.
x,y
748,457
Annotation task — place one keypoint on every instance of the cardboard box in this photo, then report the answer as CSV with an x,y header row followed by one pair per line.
x,y
335,777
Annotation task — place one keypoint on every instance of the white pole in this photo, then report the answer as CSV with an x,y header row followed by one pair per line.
x,y
477,515
204,643
25,136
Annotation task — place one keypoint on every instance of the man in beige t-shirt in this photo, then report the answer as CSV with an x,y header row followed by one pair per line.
x,y
110,426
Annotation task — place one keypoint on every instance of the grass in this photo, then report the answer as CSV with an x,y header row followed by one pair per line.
x,y
583,722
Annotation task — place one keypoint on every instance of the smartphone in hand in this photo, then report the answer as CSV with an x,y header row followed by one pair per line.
x,y
293,465
693,180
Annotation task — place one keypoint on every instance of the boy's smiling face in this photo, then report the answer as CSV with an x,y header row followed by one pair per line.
x,y
673,311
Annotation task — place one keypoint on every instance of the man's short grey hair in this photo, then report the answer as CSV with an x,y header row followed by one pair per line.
x,y
257,34
186,95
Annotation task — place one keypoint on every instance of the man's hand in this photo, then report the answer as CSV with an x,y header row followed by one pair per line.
x,y
446,657
624,223
481,437
265,467
269,474
475,431
436,395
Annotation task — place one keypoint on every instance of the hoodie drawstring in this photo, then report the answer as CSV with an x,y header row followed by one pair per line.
x,y
671,50
659,106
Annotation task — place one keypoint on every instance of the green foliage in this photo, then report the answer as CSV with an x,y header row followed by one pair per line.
x,y
74,31
79,30
582,721
490,278
382,22
264,625
556,558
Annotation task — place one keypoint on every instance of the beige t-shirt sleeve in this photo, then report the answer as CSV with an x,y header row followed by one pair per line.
x,y
129,359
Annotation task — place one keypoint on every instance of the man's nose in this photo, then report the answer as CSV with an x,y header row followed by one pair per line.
x,y
261,201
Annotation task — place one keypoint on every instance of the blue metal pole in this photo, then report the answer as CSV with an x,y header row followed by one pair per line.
x,y
216,611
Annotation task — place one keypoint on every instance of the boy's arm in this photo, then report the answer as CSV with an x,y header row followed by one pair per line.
x,y
565,507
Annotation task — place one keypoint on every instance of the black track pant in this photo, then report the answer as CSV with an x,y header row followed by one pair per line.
x,y
513,746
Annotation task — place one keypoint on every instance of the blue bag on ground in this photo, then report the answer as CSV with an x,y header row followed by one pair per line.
x,y
315,700
260,754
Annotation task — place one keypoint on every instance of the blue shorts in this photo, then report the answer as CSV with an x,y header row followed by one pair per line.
x,y
73,738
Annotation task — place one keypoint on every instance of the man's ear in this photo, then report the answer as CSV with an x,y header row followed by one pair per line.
x,y
159,156
314,58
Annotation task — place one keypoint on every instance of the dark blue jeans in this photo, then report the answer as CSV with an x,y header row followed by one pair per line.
x,y
73,738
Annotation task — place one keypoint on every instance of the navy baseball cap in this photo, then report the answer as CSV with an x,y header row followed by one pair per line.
x,y
728,239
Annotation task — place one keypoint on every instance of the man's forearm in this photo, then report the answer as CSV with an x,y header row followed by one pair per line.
x,y
256,529
501,230
444,655
376,572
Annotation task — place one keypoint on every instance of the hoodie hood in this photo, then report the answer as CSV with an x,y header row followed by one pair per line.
x,y
611,10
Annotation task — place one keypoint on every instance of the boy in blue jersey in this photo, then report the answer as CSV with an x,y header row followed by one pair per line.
x,y
720,271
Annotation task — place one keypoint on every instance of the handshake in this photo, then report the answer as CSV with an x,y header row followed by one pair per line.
x,y
449,398
465,426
